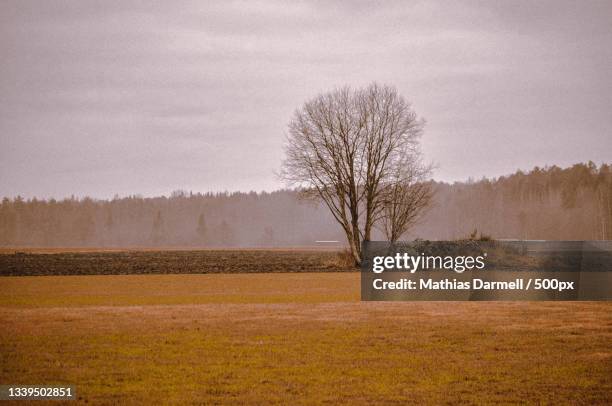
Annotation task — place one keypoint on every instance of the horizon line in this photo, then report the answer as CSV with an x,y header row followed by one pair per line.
x,y
188,193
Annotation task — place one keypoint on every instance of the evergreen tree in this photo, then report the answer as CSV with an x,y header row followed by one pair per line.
x,y
157,231
201,229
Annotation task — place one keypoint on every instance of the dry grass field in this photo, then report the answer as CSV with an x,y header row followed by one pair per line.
x,y
294,338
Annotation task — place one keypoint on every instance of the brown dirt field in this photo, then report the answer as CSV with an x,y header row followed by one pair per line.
x,y
61,250
129,262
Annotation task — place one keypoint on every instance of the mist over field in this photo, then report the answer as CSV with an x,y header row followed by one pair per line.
x,y
551,203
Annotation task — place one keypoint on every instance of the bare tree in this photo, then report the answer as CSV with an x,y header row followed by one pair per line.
x,y
406,198
346,147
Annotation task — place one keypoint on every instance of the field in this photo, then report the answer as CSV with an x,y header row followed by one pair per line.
x,y
130,262
288,337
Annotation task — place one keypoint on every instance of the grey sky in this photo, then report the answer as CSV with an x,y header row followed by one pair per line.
x,y
104,98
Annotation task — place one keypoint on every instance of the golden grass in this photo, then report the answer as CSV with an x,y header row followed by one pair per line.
x,y
294,338
128,290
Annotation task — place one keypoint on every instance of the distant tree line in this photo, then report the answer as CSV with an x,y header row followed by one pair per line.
x,y
545,203
184,219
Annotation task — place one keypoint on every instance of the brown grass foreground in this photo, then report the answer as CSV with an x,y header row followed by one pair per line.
x,y
287,338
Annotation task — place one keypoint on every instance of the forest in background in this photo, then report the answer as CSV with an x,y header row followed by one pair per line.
x,y
546,203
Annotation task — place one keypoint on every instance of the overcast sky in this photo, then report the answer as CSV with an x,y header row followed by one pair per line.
x,y
118,97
